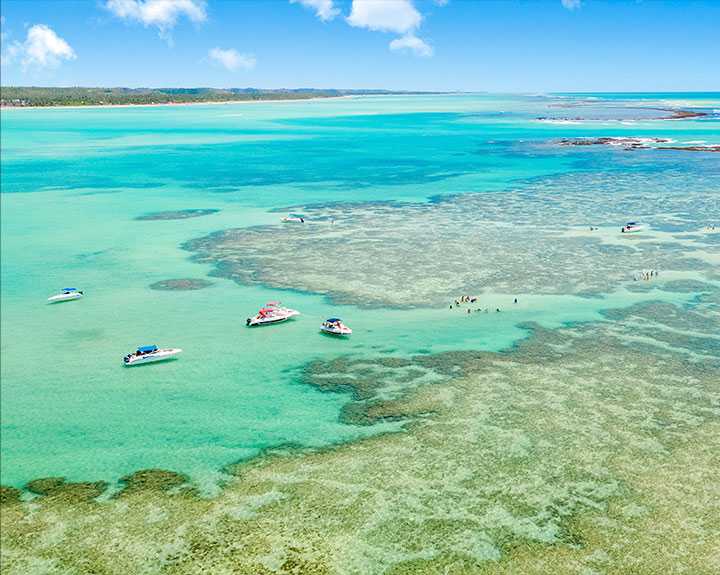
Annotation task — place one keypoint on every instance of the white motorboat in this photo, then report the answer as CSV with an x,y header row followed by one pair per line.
x,y
632,227
67,294
149,354
335,326
294,218
273,312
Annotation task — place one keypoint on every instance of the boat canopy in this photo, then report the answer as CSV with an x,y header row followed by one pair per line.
x,y
333,320
631,224
272,303
147,348
69,289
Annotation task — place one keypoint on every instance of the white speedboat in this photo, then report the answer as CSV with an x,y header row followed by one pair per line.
x,y
335,326
149,354
632,227
273,312
294,218
67,294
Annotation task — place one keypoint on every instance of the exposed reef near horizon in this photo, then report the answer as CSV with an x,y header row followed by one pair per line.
x,y
624,113
636,143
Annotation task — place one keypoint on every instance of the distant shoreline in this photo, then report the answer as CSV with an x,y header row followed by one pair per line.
x,y
161,104
48,97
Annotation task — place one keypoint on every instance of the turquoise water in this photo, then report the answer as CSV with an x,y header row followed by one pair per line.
x,y
74,180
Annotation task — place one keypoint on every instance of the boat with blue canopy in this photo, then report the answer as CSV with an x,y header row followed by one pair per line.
x,y
149,354
66,294
335,326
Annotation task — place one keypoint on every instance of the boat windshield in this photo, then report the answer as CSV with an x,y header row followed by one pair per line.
x,y
147,348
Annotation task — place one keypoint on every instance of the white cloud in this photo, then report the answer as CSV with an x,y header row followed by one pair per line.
x,y
42,48
571,4
398,16
162,14
412,43
8,55
441,2
325,9
232,59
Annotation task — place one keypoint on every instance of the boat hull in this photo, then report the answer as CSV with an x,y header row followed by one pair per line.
x,y
161,355
64,297
338,332
256,322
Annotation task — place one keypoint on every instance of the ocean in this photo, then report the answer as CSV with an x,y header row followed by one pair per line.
x,y
410,203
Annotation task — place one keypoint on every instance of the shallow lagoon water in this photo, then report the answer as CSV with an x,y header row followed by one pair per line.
x,y
432,197
75,180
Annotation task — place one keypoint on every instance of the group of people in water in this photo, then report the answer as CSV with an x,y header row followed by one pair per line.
x,y
473,299
464,299
646,275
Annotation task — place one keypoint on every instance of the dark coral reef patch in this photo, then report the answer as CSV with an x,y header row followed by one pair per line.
x,y
177,214
181,284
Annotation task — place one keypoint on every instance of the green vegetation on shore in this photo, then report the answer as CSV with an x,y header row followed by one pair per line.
x,y
18,96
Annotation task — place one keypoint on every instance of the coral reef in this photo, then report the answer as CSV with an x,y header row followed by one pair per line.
x,y
573,453
181,284
177,214
538,239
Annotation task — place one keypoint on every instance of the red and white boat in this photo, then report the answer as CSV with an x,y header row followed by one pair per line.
x,y
273,312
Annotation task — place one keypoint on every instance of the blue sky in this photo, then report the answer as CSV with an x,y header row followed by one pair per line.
x,y
483,45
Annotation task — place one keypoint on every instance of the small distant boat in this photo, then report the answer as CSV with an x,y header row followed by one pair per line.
x,y
67,294
149,354
294,218
273,312
335,326
632,227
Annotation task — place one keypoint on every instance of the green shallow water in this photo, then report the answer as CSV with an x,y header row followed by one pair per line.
x,y
74,180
